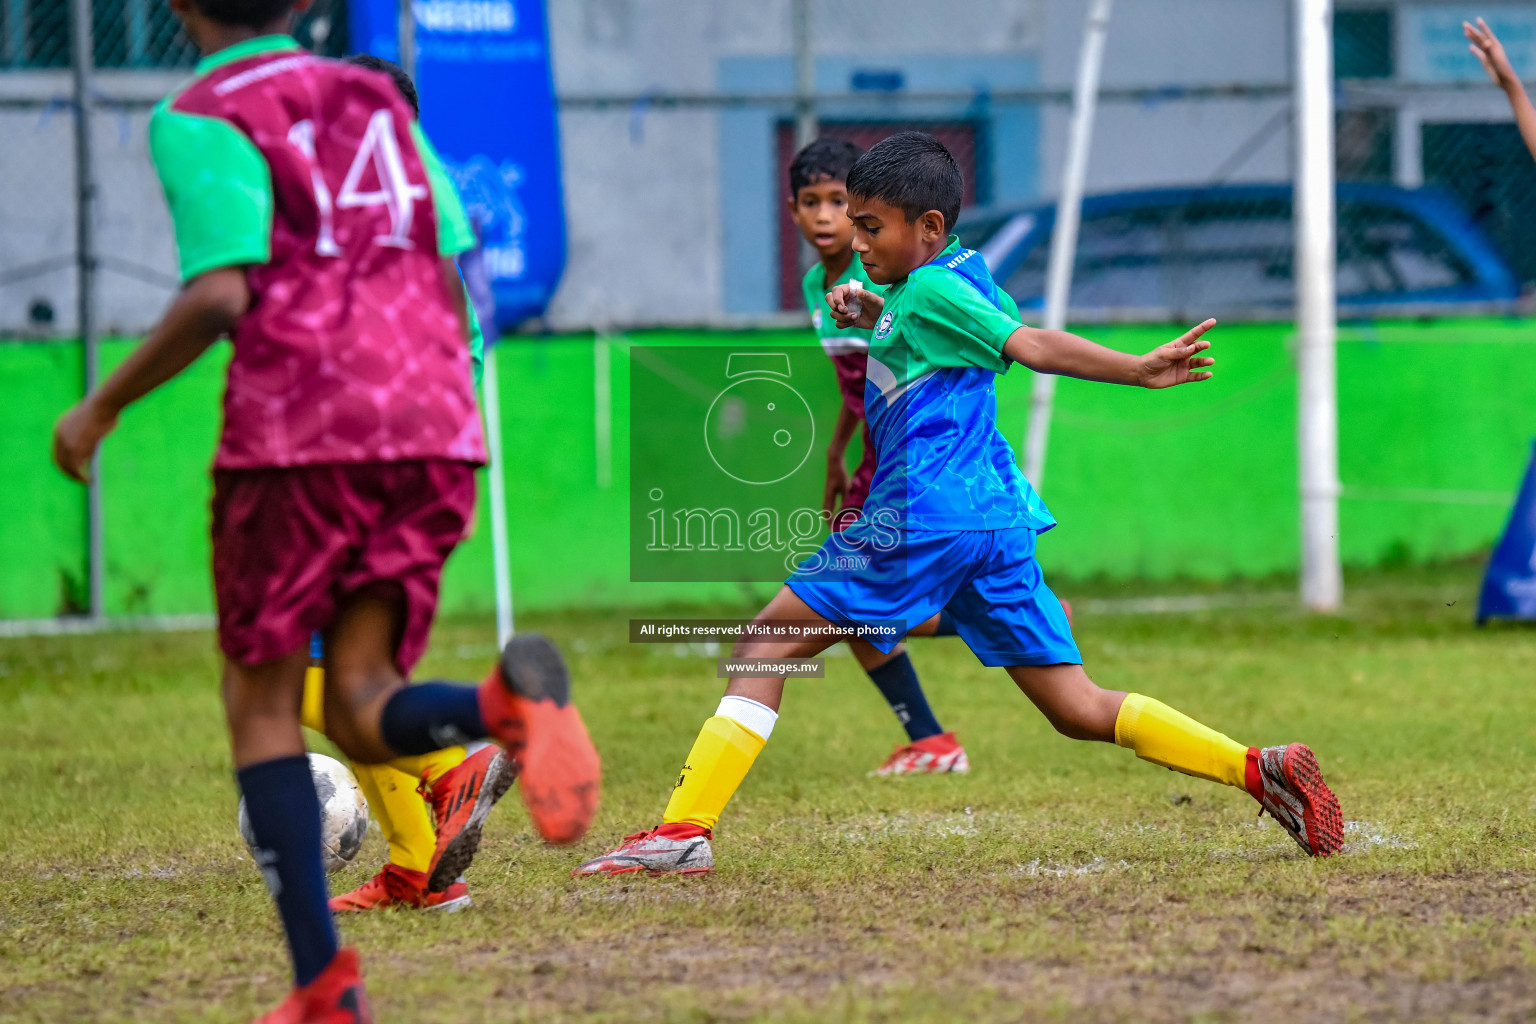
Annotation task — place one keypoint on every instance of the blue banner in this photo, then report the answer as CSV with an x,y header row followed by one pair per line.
x,y
1509,588
488,105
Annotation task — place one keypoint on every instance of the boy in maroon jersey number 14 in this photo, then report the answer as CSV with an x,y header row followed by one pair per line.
x,y
316,227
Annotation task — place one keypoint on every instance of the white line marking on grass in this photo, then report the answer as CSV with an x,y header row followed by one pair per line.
x,y
117,624
1175,604
1368,836
1037,868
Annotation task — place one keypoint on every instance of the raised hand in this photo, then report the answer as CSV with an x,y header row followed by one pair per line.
x,y
1177,361
1490,54
855,307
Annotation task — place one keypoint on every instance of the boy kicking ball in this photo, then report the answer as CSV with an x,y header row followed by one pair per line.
x,y
430,808
818,204
315,226
968,523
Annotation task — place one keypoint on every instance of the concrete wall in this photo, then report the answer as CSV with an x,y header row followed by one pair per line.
x,y
1157,43
671,213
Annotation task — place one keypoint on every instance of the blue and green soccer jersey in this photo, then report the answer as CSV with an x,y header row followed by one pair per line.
x,y
932,406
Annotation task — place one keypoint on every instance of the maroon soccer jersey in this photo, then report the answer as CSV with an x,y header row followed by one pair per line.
x,y
311,175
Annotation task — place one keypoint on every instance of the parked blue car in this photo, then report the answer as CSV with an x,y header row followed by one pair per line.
x,y
1229,250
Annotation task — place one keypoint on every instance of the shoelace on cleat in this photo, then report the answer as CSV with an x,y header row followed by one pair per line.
x,y
638,837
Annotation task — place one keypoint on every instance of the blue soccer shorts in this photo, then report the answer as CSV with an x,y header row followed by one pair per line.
x,y
988,579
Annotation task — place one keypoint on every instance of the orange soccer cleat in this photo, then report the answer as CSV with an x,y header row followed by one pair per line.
x,y
335,997
526,705
395,886
461,800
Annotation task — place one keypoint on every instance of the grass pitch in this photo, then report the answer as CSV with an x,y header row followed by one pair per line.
x,y
1058,880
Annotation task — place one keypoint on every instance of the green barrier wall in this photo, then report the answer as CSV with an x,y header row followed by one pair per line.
x,y
1436,422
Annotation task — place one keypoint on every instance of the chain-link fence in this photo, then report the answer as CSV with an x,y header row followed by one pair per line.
x,y
1189,204
678,124
139,54
678,120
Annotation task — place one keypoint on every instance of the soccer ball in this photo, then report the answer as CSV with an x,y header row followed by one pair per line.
x,y
343,813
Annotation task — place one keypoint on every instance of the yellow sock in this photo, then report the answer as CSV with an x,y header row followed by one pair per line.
x,y
1164,736
719,761
402,814
312,714
390,789
430,767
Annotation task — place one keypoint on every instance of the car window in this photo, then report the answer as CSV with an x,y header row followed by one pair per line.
x,y
1384,250
1210,255
1120,261
1234,253
976,233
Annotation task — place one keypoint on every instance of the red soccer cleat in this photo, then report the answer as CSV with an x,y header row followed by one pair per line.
x,y
461,800
526,705
335,997
395,886
1289,785
932,755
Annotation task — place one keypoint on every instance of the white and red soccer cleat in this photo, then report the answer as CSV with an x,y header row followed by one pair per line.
x,y
1291,788
664,850
932,755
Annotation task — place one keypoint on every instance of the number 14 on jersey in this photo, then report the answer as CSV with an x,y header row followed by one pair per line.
x,y
396,193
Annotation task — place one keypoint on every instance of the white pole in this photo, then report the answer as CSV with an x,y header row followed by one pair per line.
x,y
501,551
1322,580
1069,212
407,31
805,73
81,63
602,408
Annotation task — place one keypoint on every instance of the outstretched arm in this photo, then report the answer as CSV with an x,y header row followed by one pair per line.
x,y
1177,362
1485,46
205,309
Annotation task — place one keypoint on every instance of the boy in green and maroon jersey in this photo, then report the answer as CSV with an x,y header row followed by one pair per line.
x,y
317,228
818,204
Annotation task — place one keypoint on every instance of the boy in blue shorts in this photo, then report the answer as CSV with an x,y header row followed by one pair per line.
x,y
951,522
818,204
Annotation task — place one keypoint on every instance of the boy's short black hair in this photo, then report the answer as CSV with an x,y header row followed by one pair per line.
x,y
245,13
402,80
913,172
829,159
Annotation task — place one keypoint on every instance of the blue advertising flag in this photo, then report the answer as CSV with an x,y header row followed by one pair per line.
x,y
1509,588
488,105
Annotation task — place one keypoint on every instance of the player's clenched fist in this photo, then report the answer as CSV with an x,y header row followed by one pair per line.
x,y
853,306
76,437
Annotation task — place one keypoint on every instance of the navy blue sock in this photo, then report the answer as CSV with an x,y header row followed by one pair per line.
x,y
946,624
898,683
430,716
284,813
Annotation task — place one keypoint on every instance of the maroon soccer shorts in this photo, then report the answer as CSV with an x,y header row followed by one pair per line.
x,y
290,545
850,381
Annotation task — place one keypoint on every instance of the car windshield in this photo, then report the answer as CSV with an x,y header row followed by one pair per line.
x,y
1213,254
976,233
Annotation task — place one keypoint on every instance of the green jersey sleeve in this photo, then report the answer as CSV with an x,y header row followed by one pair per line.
x,y
219,190
954,325
454,235
476,339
